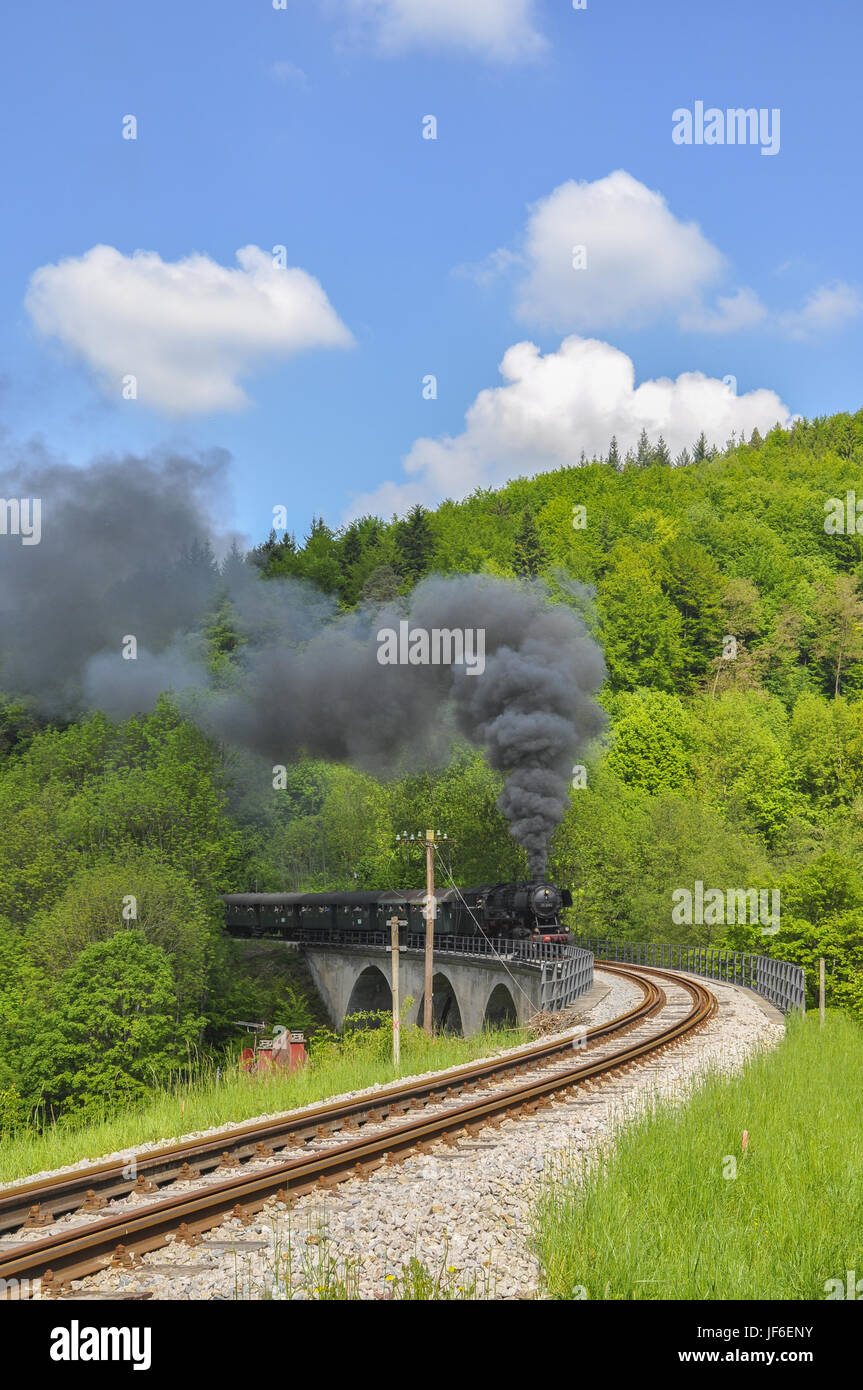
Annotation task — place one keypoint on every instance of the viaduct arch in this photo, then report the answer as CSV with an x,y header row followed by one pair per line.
x,y
467,993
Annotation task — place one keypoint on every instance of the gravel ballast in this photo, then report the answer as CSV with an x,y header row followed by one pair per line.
x,y
463,1211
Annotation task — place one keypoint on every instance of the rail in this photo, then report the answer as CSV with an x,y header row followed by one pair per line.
x,y
782,983
224,1174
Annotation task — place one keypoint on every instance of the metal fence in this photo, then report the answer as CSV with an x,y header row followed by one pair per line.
x,y
332,936
565,979
505,947
566,971
779,981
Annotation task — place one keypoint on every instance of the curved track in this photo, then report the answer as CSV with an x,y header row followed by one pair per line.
x,y
65,1227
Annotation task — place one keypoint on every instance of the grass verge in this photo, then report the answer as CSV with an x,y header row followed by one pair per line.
x,y
684,1207
357,1061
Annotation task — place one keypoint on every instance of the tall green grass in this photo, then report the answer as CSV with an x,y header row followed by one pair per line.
x,y
677,1208
359,1060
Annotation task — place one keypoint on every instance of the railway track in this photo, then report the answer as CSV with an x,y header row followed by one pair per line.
x,y
58,1229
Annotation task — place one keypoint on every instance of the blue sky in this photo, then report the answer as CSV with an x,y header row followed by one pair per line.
x,y
302,128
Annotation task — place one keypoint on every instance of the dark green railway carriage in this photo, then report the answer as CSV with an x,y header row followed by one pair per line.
x,y
286,914
516,910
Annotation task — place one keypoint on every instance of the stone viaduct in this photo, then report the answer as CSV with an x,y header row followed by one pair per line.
x,y
469,993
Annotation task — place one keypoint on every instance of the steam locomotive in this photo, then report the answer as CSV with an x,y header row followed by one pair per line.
x,y
518,910
507,911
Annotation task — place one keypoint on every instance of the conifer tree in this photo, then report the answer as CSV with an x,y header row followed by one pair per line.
x,y
318,560
661,454
414,544
642,458
234,565
528,554
382,586
352,545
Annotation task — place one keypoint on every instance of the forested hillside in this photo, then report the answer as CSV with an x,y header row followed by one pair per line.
x,y
735,762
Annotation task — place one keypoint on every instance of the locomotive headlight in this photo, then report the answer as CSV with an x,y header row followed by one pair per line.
x,y
546,900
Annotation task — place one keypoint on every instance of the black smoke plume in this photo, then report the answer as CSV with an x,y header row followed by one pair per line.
x,y
127,549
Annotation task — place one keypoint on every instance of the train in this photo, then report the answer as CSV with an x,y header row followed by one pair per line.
x,y
496,911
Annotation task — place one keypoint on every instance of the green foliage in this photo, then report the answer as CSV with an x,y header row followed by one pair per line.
x,y
528,554
17,725
777,1220
107,828
267,983
168,909
743,763
73,794
741,769
642,630
693,582
623,851
111,1030
652,742
414,541
14,1111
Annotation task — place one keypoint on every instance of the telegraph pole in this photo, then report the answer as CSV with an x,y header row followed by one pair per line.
x,y
432,840
428,1012
394,923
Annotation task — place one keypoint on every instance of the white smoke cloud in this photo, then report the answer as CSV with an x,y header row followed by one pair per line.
x,y
186,330
501,30
554,406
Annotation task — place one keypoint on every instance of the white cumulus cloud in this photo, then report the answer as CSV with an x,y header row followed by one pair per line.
x,y
187,330
595,256
733,312
554,406
827,308
610,252
502,30
286,71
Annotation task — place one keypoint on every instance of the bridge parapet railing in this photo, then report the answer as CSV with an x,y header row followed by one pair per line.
x,y
527,952
505,948
332,936
779,981
565,970
566,978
